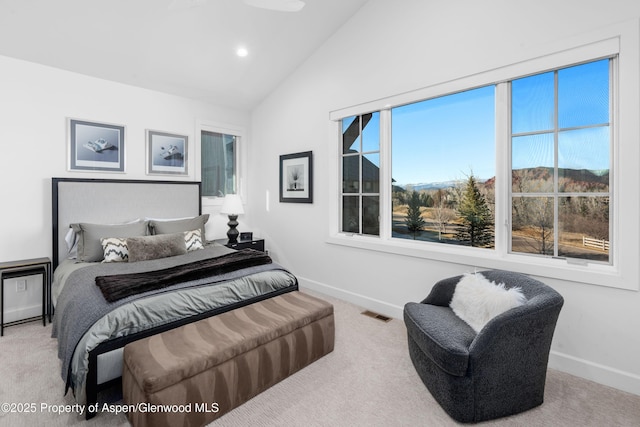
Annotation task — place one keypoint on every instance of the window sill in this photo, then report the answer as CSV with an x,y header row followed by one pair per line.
x,y
588,273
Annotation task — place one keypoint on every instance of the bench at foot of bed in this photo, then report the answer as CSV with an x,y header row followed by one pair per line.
x,y
207,368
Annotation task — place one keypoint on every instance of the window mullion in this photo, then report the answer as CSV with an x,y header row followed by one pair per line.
x,y
503,170
614,225
360,182
556,187
385,174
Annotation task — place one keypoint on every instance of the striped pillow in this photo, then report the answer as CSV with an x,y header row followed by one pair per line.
x,y
115,249
193,240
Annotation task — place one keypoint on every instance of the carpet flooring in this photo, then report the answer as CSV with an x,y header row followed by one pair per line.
x,y
368,380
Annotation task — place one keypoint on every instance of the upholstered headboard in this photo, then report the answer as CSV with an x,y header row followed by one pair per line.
x,y
107,201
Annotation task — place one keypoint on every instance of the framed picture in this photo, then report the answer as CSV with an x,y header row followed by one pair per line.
x,y
296,177
246,235
95,146
166,153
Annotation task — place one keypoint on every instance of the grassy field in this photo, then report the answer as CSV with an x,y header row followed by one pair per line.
x,y
570,244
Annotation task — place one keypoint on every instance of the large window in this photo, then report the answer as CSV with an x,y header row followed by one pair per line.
x,y
562,200
443,169
218,164
560,150
435,176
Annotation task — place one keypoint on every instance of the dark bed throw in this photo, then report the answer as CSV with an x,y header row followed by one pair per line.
x,y
120,286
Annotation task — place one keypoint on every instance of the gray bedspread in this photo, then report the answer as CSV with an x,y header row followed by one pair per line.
x,y
81,303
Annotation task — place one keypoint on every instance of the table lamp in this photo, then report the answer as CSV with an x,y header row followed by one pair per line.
x,y
232,206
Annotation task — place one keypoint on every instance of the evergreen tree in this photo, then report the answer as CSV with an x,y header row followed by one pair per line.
x,y
426,200
476,216
413,219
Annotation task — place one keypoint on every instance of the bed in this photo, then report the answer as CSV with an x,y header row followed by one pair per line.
x,y
101,303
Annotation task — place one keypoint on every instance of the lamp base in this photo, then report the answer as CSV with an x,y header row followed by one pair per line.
x,y
232,234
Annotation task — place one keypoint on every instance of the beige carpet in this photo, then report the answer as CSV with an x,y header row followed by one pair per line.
x,y
367,381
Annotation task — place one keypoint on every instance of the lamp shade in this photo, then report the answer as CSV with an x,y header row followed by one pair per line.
x,y
232,205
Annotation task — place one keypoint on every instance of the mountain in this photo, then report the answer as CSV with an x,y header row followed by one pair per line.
x,y
433,185
438,185
570,178
579,180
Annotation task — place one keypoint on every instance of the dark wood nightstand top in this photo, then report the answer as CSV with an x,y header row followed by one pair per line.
x,y
257,244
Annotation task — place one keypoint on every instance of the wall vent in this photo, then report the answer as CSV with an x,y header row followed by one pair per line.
x,y
376,315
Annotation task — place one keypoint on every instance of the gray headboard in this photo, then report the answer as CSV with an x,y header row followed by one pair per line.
x,y
108,201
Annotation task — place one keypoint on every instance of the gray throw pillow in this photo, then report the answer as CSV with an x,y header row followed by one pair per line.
x,y
89,236
154,247
177,225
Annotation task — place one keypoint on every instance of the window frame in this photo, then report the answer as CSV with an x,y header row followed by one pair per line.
x,y
360,194
555,193
240,152
464,178
623,272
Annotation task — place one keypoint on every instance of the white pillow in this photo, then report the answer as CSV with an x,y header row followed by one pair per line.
x,y
476,300
71,239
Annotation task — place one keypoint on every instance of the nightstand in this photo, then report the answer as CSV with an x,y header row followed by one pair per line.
x,y
21,268
257,244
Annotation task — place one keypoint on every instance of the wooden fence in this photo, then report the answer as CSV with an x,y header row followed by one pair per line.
x,y
595,243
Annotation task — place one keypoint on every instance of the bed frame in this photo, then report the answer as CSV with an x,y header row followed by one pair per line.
x,y
105,201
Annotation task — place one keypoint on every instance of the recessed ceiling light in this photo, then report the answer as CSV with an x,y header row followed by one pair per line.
x,y
242,52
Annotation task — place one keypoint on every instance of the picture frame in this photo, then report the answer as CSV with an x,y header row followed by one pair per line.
x,y
296,177
167,153
95,146
246,235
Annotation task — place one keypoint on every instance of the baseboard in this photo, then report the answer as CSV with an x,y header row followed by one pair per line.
x,y
372,304
601,374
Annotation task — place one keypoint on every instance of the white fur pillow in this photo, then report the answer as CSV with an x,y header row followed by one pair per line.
x,y
476,300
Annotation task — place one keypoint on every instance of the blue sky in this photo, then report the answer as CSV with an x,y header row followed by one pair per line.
x,y
445,138
583,100
449,137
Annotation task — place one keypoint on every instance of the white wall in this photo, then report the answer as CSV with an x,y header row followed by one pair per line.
x,y
34,103
389,48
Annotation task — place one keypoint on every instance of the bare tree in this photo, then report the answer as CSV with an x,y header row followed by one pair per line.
x,y
442,216
537,224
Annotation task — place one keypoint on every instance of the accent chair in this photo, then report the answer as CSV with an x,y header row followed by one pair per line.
x,y
496,372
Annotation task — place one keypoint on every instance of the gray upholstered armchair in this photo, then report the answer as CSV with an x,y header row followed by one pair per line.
x,y
496,372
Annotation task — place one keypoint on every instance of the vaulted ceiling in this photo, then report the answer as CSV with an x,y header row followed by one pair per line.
x,y
182,47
